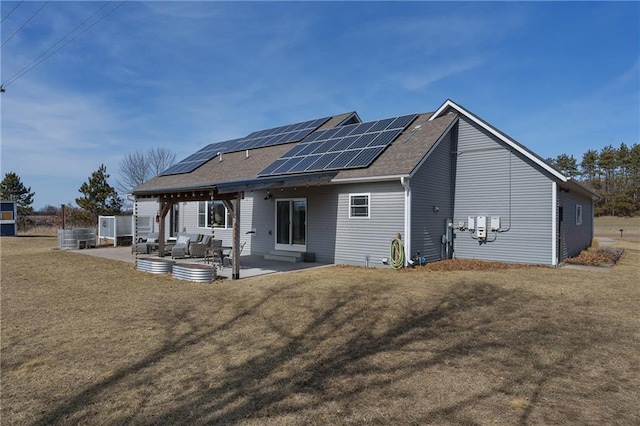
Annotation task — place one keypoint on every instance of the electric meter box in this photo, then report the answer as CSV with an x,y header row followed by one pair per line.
x,y
495,223
481,227
471,224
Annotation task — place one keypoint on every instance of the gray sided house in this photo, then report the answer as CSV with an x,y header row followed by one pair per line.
x,y
339,190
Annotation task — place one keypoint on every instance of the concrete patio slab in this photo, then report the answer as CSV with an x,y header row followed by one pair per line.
x,y
251,265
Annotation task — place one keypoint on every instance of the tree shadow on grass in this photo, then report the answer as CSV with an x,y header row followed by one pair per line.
x,y
346,351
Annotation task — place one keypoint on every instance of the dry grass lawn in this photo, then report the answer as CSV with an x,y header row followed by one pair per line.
x,y
92,341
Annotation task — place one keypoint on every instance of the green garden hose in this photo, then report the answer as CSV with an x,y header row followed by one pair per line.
x,y
396,255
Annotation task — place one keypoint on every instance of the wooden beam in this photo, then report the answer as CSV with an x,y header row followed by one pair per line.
x,y
234,208
165,207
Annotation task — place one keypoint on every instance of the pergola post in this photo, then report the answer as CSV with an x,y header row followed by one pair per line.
x,y
235,244
165,206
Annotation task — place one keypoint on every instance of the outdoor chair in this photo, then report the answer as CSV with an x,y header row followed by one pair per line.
x,y
144,245
230,257
181,249
199,248
214,252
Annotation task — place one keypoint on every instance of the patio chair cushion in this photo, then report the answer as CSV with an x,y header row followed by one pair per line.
x,y
183,239
194,238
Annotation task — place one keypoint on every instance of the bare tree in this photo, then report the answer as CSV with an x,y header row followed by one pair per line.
x,y
159,160
138,167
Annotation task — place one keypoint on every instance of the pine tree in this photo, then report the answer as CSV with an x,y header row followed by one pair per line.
x,y
12,189
99,198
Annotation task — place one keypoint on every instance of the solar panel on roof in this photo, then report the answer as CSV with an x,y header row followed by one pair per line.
x,y
258,139
344,147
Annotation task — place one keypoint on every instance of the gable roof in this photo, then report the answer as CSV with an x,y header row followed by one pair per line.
x,y
239,170
449,106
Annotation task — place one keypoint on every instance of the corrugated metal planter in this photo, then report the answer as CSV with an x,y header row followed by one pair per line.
x,y
76,238
154,265
197,273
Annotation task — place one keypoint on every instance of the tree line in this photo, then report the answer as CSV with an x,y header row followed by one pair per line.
x,y
612,172
98,197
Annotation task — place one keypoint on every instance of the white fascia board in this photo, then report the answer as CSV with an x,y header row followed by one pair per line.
x,y
368,179
433,148
449,103
554,224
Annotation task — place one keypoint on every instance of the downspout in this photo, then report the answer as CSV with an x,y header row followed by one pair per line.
x,y
554,224
407,218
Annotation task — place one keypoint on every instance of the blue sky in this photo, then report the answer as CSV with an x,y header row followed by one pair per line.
x,y
557,77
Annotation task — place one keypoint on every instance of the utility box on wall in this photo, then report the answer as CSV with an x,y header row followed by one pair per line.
x,y
8,218
481,227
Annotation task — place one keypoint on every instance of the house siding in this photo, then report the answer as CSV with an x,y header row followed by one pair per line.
x,y
328,218
359,237
432,201
573,237
491,180
189,221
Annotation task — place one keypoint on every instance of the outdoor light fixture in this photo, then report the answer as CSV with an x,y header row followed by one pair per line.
x,y
268,197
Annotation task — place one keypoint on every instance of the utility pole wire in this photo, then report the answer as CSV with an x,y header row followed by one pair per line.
x,y
32,65
50,48
8,14
18,30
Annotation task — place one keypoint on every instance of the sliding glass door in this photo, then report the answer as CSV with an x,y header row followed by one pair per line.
x,y
291,224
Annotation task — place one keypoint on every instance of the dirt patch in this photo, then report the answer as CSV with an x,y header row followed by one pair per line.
x,y
601,256
473,265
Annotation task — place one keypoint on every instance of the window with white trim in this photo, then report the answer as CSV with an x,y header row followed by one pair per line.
x,y
213,214
359,206
578,214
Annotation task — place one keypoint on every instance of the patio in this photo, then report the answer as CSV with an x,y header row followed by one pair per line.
x,y
250,265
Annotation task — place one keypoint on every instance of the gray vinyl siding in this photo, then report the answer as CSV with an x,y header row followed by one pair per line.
x,y
331,235
521,195
573,237
359,237
431,189
189,221
321,213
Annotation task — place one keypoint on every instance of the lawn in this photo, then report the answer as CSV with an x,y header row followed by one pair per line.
x,y
608,226
88,340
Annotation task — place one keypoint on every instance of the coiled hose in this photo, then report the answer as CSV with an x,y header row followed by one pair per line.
x,y
396,254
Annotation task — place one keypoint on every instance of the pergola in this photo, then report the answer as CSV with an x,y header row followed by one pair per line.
x,y
231,201
230,193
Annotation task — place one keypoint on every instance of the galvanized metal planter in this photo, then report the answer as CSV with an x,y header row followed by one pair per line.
x,y
154,265
76,238
197,273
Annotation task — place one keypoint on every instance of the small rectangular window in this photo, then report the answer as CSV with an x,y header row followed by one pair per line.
x,y
359,206
578,214
7,215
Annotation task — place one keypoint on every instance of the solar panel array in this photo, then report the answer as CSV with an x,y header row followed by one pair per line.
x,y
262,138
345,147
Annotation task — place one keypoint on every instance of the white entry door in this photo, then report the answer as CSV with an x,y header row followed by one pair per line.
x,y
291,224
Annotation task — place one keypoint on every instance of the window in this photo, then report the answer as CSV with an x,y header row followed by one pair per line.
x,y
213,214
359,206
578,214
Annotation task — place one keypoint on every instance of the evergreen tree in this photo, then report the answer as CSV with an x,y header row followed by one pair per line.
x,y
566,164
12,189
589,165
99,198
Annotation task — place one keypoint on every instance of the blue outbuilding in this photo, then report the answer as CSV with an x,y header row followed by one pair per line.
x,y
9,219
